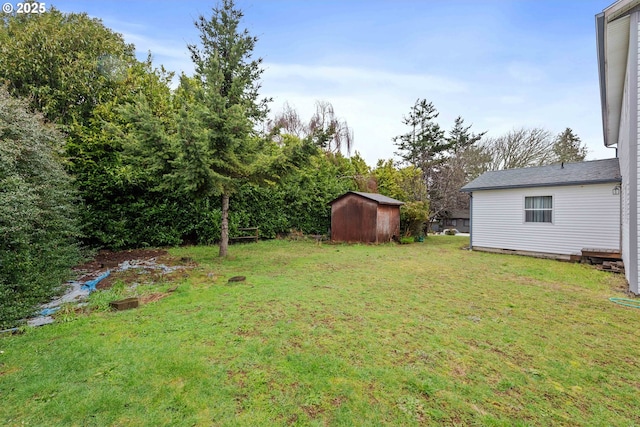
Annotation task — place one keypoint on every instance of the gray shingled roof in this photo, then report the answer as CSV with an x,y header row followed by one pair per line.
x,y
384,200
592,172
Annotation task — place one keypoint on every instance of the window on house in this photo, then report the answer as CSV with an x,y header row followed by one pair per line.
x,y
466,223
538,209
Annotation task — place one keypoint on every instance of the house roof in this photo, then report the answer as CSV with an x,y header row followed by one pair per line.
x,y
378,198
454,214
592,172
460,214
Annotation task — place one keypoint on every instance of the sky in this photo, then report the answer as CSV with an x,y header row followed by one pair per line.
x,y
499,64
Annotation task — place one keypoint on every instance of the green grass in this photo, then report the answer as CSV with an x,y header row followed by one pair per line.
x,y
422,334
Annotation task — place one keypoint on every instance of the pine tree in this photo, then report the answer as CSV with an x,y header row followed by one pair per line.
x,y
567,147
219,149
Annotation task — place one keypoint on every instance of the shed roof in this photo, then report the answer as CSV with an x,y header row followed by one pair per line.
x,y
378,198
592,172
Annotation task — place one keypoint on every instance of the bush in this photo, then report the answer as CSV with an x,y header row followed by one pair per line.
x,y
413,217
38,219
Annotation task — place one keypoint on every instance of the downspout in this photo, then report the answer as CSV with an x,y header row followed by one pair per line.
x,y
619,205
471,220
632,73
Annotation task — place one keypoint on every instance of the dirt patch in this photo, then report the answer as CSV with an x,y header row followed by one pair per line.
x,y
135,265
107,259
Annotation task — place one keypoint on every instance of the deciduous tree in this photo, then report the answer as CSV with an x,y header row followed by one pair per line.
x,y
325,129
521,148
64,64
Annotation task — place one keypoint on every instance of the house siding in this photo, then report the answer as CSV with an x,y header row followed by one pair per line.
x,y
581,219
624,155
627,144
634,76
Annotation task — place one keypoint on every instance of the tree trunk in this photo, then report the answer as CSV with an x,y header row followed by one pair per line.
x,y
224,226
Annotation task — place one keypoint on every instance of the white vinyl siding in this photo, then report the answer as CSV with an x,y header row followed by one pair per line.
x,y
635,77
624,141
584,216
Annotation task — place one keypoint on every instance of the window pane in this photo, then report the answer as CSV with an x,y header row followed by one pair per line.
x,y
528,202
538,208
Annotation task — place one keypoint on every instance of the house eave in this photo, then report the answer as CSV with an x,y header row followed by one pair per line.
x,y
612,38
550,184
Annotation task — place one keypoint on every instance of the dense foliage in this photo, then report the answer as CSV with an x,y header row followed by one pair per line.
x,y
65,64
37,214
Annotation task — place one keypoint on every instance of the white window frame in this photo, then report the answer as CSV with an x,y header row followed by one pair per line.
x,y
542,209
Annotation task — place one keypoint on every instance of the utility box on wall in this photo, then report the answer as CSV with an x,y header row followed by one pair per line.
x,y
365,217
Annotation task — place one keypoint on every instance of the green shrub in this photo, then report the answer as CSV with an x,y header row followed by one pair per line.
x,y
413,217
38,218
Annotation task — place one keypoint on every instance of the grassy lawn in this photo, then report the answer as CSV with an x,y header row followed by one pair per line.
x,y
423,334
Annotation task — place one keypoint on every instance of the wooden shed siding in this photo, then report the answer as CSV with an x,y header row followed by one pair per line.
x,y
388,224
353,219
583,217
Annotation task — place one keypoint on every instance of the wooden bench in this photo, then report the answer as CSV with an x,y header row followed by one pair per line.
x,y
255,235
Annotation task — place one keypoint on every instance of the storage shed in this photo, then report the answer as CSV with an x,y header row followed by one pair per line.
x,y
365,217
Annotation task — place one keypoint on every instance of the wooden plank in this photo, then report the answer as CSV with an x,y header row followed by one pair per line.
x,y
254,237
602,253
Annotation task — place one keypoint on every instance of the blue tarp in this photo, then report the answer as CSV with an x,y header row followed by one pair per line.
x,y
91,284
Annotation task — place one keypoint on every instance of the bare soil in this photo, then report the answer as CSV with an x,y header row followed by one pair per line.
x,y
110,260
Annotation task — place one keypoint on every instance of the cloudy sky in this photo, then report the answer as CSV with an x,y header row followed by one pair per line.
x,y
500,64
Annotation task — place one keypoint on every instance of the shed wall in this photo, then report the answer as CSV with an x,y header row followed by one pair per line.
x,y
353,219
585,216
388,223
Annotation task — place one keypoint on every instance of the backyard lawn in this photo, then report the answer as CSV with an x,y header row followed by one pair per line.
x,y
323,334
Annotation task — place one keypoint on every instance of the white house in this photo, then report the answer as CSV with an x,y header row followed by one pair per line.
x,y
618,42
560,210
553,211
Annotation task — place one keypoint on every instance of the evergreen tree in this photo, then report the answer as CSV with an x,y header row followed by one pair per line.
x,y
424,145
460,136
567,147
219,148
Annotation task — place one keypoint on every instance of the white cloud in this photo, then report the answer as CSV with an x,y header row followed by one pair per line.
x,y
349,76
372,102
